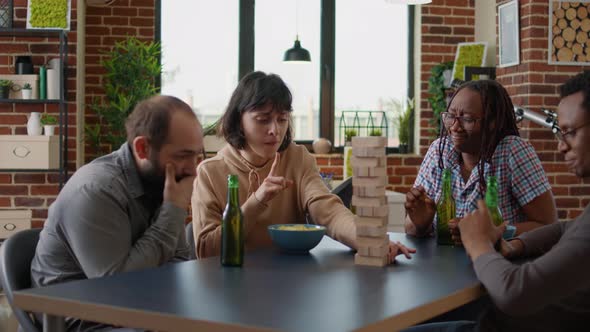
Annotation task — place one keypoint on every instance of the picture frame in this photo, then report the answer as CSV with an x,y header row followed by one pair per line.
x,y
468,54
569,35
54,14
509,34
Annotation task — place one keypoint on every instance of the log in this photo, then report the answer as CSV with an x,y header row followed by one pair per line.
x,y
582,12
565,5
569,44
575,24
565,55
574,4
577,49
558,42
556,30
569,34
560,13
562,23
570,14
585,26
581,37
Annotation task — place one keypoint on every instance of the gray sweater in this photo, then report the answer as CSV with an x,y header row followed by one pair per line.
x,y
549,293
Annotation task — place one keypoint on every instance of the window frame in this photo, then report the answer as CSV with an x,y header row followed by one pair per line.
x,y
247,51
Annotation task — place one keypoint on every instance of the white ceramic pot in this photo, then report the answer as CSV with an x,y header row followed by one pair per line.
x,y
34,124
27,93
49,130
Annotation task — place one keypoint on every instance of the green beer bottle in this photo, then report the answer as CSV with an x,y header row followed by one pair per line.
x,y
232,227
445,210
492,200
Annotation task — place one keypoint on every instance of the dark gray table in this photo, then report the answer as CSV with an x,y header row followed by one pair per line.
x,y
322,291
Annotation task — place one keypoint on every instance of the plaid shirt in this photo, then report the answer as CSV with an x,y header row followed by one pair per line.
x,y
518,169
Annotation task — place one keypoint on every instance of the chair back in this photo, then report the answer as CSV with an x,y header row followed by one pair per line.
x,y
190,238
16,254
344,191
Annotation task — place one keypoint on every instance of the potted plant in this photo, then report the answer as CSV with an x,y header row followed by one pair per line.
x,y
348,134
49,123
132,67
404,123
375,132
27,91
5,86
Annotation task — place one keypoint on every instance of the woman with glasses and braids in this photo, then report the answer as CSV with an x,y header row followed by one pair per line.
x,y
478,138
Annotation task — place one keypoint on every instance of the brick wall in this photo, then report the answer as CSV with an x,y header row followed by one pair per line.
x,y
34,191
534,84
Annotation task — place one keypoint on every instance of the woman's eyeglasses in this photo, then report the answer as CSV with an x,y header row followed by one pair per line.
x,y
466,123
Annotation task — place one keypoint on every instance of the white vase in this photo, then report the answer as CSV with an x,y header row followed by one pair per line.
x,y
49,130
321,146
27,93
34,124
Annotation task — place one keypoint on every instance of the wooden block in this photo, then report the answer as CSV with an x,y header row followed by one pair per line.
x,y
368,171
375,181
370,261
367,191
372,241
368,161
373,246
371,141
368,152
371,221
370,230
369,201
375,211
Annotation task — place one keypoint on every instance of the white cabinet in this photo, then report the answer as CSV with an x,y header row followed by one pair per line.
x,y
12,221
29,152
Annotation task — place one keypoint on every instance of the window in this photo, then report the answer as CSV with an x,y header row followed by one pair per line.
x,y
359,50
371,61
200,63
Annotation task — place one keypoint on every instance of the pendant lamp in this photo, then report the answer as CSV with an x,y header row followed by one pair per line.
x,y
297,53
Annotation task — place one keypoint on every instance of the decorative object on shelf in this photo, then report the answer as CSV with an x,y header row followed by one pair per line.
x,y
18,82
468,54
34,124
49,123
27,91
132,67
509,39
43,82
375,132
297,53
23,65
48,14
5,14
569,32
321,145
5,86
29,152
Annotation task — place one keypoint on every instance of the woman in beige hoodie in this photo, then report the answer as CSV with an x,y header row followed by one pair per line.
x,y
279,180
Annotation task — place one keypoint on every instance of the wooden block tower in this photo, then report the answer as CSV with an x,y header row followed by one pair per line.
x,y
369,176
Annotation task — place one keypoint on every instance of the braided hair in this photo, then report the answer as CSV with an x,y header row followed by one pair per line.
x,y
498,121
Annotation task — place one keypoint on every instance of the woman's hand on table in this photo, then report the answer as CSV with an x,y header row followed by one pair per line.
x,y
397,248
